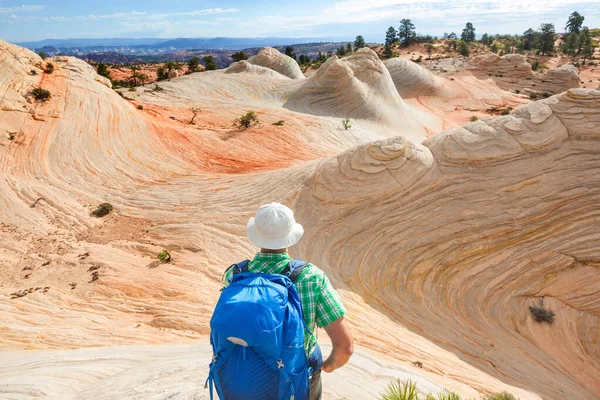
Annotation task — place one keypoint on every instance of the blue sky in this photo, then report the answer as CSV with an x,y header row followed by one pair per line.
x,y
41,19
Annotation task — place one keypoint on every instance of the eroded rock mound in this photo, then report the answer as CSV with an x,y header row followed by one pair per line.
x,y
358,87
557,80
273,59
249,68
482,220
411,80
513,66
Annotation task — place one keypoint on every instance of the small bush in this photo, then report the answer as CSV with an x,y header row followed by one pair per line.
x,y
474,118
500,396
195,111
546,95
140,107
506,111
33,72
346,124
533,96
132,89
517,91
247,120
102,210
164,256
157,89
443,395
49,68
540,314
42,55
400,390
279,123
41,94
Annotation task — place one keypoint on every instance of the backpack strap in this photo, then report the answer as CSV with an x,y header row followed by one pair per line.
x,y
294,269
240,267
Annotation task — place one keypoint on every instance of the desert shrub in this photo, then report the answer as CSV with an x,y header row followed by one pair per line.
x,y
102,210
209,63
533,96
157,89
164,256
546,95
239,56
279,123
535,65
132,89
443,395
500,396
140,107
506,111
49,68
346,124
517,91
33,72
540,314
42,55
247,120
400,390
41,94
474,118
195,111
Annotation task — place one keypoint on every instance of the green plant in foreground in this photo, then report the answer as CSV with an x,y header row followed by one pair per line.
x,y
102,210
140,107
164,256
247,120
500,396
49,68
346,124
400,390
444,395
474,118
506,111
279,123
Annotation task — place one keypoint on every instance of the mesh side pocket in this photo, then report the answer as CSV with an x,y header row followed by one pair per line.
x,y
247,379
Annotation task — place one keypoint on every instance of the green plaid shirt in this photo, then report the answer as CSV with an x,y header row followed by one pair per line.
x,y
321,304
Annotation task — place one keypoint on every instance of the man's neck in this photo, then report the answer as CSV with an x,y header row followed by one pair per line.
x,y
273,251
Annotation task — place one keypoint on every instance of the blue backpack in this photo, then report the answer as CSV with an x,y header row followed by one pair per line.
x,y
257,336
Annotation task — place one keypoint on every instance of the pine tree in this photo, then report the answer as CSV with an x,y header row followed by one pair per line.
x,y
239,56
193,64
464,48
484,39
209,63
571,43
468,33
289,51
390,36
359,43
547,34
349,48
574,23
407,31
103,70
529,37
341,51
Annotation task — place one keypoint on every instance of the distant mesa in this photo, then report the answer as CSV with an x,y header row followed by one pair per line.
x,y
411,80
246,67
273,59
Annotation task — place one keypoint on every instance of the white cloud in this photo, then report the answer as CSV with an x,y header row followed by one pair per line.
x,y
7,10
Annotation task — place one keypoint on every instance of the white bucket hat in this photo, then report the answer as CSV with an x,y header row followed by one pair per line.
x,y
274,227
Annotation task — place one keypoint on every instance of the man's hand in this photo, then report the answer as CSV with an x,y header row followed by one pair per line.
x,y
342,343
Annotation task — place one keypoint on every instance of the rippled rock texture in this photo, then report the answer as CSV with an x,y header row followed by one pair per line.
x,y
438,246
271,58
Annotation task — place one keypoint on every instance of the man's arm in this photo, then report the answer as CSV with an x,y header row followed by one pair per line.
x,y
342,343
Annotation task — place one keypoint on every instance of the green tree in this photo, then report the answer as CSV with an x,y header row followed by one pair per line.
x,y
209,63
547,34
42,55
134,74
303,59
289,51
102,70
162,73
430,48
143,78
239,56
583,38
193,64
484,39
341,51
494,48
468,33
463,48
451,35
571,43
348,48
391,35
574,23
407,31
320,57
529,38
588,46
359,42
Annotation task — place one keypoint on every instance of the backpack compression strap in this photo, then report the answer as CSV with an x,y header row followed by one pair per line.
x,y
240,267
294,269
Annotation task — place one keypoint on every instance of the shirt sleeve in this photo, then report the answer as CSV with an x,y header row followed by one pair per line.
x,y
329,304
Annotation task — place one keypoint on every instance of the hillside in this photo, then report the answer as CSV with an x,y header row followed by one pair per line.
x,y
439,233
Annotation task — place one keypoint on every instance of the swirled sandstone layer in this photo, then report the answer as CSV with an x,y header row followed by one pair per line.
x,y
269,57
411,80
248,68
441,246
456,238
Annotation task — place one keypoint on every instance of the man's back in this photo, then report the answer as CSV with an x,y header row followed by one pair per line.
x,y
321,305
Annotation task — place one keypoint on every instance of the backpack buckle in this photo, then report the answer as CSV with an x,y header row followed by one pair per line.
x,y
280,364
214,359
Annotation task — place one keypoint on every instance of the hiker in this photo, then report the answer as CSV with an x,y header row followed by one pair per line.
x,y
263,328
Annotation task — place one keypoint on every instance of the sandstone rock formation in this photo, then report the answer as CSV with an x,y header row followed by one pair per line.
x,y
273,59
557,80
411,80
246,67
173,73
442,245
358,87
513,66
